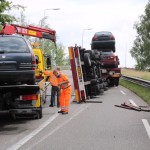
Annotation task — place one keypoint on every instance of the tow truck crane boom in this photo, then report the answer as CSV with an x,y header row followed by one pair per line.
x,y
29,31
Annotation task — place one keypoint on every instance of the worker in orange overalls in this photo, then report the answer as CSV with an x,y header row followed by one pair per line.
x,y
65,91
54,90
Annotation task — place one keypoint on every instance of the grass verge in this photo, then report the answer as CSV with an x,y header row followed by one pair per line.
x,y
134,73
142,92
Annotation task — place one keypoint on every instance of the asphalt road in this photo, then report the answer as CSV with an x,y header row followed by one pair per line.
x,y
88,126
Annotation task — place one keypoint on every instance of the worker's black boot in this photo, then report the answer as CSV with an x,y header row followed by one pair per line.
x,y
64,113
60,111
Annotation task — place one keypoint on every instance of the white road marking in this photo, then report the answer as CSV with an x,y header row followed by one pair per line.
x,y
122,92
77,112
36,131
147,126
132,102
32,134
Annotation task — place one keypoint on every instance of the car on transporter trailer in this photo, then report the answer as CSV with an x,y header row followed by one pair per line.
x,y
109,59
103,40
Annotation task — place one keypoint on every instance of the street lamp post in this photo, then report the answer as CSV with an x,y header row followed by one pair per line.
x,y
44,17
50,9
83,34
125,55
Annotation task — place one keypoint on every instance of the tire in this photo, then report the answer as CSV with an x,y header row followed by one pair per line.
x,y
39,113
100,80
116,82
91,53
92,47
94,81
105,86
96,55
93,73
101,91
13,116
114,49
87,60
98,90
112,83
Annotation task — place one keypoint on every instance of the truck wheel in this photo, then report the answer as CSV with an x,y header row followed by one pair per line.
x,y
116,82
39,113
93,73
112,83
114,49
94,81
98,90
105,86
91,53
101,91
87,60
13,116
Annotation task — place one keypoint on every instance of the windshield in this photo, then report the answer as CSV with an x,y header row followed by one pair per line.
x,y
12,44
104,33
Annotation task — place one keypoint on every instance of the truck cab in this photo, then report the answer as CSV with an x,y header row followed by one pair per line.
x,y
43,62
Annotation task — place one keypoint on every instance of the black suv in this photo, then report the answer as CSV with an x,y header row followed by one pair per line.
x,y
17,61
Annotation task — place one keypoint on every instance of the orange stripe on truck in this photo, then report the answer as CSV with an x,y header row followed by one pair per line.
x,y
77,95
70,49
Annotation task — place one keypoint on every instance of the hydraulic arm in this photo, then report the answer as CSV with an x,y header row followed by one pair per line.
x,y
29,31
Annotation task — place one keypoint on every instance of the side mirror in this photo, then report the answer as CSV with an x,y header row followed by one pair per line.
x,y
36,59
48,62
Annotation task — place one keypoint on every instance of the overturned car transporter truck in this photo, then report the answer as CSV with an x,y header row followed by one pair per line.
x,y
94,70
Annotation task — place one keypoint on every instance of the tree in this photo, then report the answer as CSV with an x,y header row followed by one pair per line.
x,y
4,7
55,51
141,47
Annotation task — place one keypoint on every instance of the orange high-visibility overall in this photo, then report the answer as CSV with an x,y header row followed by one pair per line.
x,y
54,90
53,80
65,93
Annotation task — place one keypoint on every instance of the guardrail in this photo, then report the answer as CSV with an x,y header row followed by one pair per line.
x,y
138,81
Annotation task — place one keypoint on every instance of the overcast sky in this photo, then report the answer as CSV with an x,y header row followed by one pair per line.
x,y
117,16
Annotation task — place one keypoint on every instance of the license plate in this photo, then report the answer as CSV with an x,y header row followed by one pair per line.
x,y
116,75
7,67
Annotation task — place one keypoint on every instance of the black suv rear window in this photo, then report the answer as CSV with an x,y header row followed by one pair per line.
x,y
13,45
